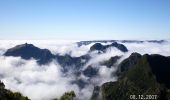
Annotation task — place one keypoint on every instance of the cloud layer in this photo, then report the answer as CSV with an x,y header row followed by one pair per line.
x,y
48,81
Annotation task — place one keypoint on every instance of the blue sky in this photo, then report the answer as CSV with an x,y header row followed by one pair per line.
x,y
84,19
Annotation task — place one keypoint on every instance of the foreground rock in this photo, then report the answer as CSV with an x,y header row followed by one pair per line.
x,y
129,62
148,75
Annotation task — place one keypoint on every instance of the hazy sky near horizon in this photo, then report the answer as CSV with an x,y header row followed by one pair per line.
x,y
84,19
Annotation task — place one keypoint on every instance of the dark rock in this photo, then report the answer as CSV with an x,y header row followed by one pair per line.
x,y
44,56
160,66
131,41
83,43
81,83
109,63
90,71
71,63
121,47
121,41
28,51
148,75
100,47
96,93
156,41
97,46
129,62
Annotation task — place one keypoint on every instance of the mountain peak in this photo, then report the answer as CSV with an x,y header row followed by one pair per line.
x,y
28,51
100,47
147,74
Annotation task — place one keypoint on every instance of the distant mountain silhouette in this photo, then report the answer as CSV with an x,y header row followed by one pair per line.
x,y
28,51
71,63
120,41
100,47
44,56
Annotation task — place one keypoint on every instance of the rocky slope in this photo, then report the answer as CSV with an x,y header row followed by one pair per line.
x,y
143,75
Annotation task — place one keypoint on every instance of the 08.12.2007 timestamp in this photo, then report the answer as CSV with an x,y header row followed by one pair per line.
x,y
143,97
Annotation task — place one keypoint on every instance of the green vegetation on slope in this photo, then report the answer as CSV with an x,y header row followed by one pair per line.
x,y
8,95
67,96
137,80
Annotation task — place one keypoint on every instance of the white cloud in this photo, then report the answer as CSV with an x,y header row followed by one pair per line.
x,y
149,48
34,81
98,58
47,81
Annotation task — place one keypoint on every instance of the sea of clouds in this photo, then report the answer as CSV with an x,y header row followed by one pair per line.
x,y
48,81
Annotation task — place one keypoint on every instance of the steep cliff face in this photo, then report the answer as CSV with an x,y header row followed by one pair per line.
x,y
129,62
96,93
160,66
148,75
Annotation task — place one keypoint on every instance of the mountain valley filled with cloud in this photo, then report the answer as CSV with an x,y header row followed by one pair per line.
x,y
70,67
